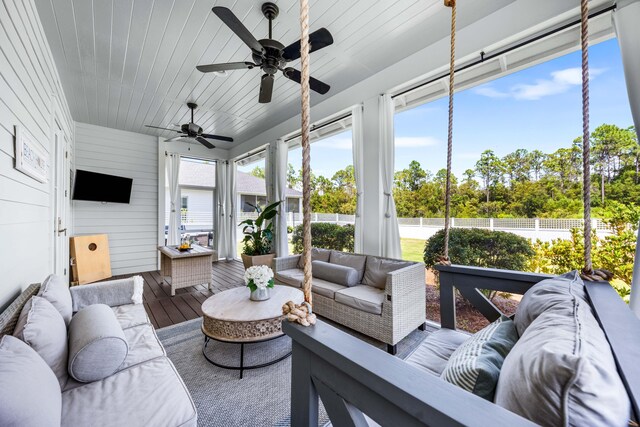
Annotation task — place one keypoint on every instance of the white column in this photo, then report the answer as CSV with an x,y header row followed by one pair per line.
x,y
222,221
625,20
232,244
358,147
278,163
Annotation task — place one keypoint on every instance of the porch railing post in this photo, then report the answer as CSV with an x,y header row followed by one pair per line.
x,y
447,301
304,396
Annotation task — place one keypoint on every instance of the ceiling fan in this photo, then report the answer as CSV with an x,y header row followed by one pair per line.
x,y
268,54
193,131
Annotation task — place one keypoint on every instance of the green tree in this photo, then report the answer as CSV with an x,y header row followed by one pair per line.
x,y
258,172
516,165
490,168
535,159
411,178
292,178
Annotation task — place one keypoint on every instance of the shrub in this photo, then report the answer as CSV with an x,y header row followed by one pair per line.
x,y
327,236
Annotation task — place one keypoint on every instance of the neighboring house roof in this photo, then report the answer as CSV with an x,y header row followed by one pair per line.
x,y
197,174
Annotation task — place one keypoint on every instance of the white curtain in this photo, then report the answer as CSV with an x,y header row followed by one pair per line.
x,y
232,244
390,231
625,19
358,165
173,176
280,159
222,224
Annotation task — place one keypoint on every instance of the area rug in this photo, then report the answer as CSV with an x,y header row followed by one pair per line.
x,y
262,397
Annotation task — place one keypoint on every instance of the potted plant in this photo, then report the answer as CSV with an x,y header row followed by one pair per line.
x,y
259,279
258,237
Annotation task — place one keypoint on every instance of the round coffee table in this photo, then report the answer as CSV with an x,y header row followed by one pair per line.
x,y
232,317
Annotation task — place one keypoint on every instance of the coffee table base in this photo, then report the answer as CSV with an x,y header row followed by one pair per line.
x,y
241,368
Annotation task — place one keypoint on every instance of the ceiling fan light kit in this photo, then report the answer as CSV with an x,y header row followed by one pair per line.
x,y
269,54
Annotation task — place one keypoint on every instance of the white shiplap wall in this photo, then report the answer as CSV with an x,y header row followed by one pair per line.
x,y
28,80
132,228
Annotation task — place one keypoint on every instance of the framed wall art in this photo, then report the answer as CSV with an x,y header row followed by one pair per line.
x,y
31,159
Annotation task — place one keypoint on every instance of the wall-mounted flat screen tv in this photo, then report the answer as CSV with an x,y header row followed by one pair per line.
x,y
100,187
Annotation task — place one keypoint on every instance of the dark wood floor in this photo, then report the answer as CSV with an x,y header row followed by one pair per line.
x,y
165,310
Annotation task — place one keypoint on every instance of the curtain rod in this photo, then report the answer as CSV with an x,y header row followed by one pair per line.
x,y
320,126
484,57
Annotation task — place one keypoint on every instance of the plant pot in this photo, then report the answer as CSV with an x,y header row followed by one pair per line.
x,y
251,260
260,294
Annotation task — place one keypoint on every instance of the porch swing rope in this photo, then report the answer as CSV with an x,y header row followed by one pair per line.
x,y
588,273
444,258
302,313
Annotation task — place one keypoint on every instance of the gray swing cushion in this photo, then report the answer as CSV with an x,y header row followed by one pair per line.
x,y
475,365
97,344
562,372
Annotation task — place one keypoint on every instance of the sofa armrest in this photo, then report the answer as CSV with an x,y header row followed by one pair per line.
x,y
285,263
112,293
406,286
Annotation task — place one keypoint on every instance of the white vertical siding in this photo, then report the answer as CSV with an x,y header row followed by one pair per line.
x,y
28,79
132,228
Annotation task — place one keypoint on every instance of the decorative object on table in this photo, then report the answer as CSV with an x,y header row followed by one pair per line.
x,y
259,279
258,236
31,158
188,268
300,313
185,244
90,259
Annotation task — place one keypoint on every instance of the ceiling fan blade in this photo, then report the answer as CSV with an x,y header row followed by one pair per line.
x,y
204,142
225,66
218,137
157,127
318,39
315,84
175,138
266,89
237,27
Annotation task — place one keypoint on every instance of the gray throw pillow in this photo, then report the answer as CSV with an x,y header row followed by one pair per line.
x,y
97,344
317,254
55,289
41,326
561,372
334,273
29,391
475,365
349,260
549,294
376,270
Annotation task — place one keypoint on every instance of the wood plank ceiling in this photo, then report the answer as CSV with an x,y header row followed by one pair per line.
x,y
126,63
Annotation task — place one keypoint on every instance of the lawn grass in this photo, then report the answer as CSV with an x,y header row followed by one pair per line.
x,y
412,249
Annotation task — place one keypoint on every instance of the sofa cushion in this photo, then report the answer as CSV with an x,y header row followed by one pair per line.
x,y
376,270
363,297
562,372
475,365
340,274
433,353
148,394
42,327
29,390
325,288
317,254
130,315
144,345
55,289
97,344
349,260
557,292
292,277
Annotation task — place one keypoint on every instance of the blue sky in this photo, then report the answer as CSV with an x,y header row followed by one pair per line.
x,y
536,108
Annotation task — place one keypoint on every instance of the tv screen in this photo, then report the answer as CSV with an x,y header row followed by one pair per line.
x,y
100,187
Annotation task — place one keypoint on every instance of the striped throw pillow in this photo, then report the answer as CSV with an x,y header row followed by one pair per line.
x,y
475,365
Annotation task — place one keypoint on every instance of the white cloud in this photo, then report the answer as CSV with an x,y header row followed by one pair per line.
x,y
416,141
559,82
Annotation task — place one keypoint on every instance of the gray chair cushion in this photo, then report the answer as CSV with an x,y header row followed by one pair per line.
x,y
562,372
349,260
130,315
433,353
377,269
144,345
148,394
42,327
55,289
363,297
317,254
292,277
29,390
475,365
345,276
97,344
325,288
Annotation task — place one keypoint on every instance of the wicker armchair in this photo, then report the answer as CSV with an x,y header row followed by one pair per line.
x,y
403,305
